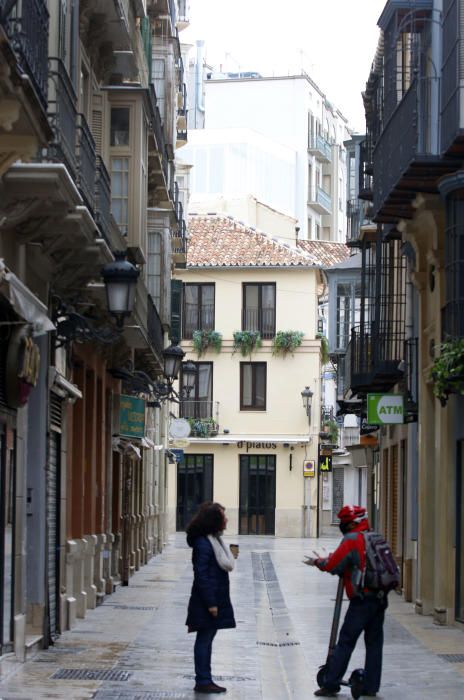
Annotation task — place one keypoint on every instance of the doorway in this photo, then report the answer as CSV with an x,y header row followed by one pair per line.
x,y
194,486
460,533
257,494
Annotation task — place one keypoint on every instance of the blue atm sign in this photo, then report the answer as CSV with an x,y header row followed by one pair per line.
x,y
131,417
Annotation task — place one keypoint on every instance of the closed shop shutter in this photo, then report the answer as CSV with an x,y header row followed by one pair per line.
x,y
53,513
338,487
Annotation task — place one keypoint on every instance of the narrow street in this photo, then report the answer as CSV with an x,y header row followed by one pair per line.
x,y
135,645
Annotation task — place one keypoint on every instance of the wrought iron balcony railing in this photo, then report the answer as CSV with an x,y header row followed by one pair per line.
x,y
358,214
320,200
27,25
154,327
103,199
366,169
63,116
258,319
203,416
86,162
196,319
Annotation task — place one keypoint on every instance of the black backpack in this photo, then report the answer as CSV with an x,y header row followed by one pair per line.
x,y
382,573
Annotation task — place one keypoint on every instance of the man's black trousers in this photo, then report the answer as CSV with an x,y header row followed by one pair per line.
x,y
363,615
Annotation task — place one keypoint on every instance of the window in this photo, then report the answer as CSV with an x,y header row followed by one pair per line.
x,y
200,402
119,134
154,268
198,308
159,81
348,311
252,386
259,308
120,193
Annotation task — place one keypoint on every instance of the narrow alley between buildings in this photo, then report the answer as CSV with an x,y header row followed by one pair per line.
x,y
135,645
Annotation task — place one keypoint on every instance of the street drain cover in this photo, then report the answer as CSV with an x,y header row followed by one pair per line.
x,y
157,695
127,607
89,674
278,644
452,658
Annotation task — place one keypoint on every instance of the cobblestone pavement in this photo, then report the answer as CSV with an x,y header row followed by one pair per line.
x,y
135,645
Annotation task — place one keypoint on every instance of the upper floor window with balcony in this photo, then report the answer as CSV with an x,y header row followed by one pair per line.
x,y
253,386
200,402
119,133
198,308
259,308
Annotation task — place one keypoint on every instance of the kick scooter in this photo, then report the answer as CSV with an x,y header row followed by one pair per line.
x,y
356,680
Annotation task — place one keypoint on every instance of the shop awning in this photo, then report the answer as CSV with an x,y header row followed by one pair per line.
x,y
24,302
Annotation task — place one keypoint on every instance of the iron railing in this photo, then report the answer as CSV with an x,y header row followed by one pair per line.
x,y
27,25
87,162
103,199
259,319
157,127
410,133
411,374
196,318
202,410
320,147
366,169
63,117
154,327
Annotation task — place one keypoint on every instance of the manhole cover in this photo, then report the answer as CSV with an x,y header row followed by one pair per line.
x,y
452,658
90,674
127,607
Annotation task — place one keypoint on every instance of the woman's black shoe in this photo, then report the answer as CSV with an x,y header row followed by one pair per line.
x,y
210,688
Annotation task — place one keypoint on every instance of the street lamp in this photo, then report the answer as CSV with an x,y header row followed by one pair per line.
x,y
173,356
120,278
189,377
307,396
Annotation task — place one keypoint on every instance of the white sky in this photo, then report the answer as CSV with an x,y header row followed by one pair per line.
x,y
333,40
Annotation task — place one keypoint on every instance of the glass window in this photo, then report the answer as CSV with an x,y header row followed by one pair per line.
x,y
198,308
200,402
119,134
253,386
154,268
259,308
120,193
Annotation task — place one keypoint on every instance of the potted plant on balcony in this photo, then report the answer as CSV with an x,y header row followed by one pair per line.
x,y
329,432
286,341
447,371
202,340
203,427
247,341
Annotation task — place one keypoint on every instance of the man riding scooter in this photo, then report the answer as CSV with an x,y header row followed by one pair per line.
x,y
366,611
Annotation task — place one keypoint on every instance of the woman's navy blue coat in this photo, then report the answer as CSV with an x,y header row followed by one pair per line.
x,y
210,589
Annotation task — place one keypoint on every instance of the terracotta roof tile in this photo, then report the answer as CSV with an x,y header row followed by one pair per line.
x,y
222,241
327,253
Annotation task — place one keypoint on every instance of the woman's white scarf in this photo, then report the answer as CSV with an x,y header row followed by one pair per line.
x,y
223,555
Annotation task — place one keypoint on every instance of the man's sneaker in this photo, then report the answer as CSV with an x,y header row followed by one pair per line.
x,y
209,688
324,693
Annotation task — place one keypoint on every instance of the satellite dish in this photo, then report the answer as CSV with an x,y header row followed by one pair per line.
x,y
179,428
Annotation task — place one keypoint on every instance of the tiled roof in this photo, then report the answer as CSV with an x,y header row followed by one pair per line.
x,y
327,253
222,241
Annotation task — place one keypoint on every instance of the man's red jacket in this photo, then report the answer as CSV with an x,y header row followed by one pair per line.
x,y
349,559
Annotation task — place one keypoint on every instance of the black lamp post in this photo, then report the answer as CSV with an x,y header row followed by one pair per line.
x,y
173,356
189,377
307,396
120,278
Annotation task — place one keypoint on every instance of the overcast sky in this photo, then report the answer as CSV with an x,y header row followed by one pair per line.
x,y
333,40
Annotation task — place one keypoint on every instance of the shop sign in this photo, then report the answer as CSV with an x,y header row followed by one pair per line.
x,y
309,467
325,463
256,445
385,409
179,455
132,417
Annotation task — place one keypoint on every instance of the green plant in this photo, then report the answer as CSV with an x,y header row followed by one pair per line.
x,y
247,341
286,341
324,348
447,371
203,427
202,340
330,431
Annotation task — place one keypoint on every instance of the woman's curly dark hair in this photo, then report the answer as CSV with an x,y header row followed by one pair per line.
x,y
209,520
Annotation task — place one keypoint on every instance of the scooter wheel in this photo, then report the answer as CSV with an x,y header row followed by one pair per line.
x,y
320,678
356,683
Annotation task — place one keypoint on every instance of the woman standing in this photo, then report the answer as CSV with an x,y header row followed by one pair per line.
x,y
209,606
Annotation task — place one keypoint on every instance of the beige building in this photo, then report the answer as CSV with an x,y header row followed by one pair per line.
x,y
251,438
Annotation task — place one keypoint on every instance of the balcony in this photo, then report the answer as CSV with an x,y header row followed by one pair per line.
x,y
365,170
320,148
183,16
160,141
103,199
358,215
203,416
406,159
63,117
86,162
373,359
27,28
258,319
154,328
320,201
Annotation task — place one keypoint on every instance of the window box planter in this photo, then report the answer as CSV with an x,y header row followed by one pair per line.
x,y
286,341
202,340
247,341
203,427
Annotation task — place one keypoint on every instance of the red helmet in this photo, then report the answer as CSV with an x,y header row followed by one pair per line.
x,y
352,514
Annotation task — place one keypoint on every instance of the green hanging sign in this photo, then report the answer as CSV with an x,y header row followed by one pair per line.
x,y
385,409
131,417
